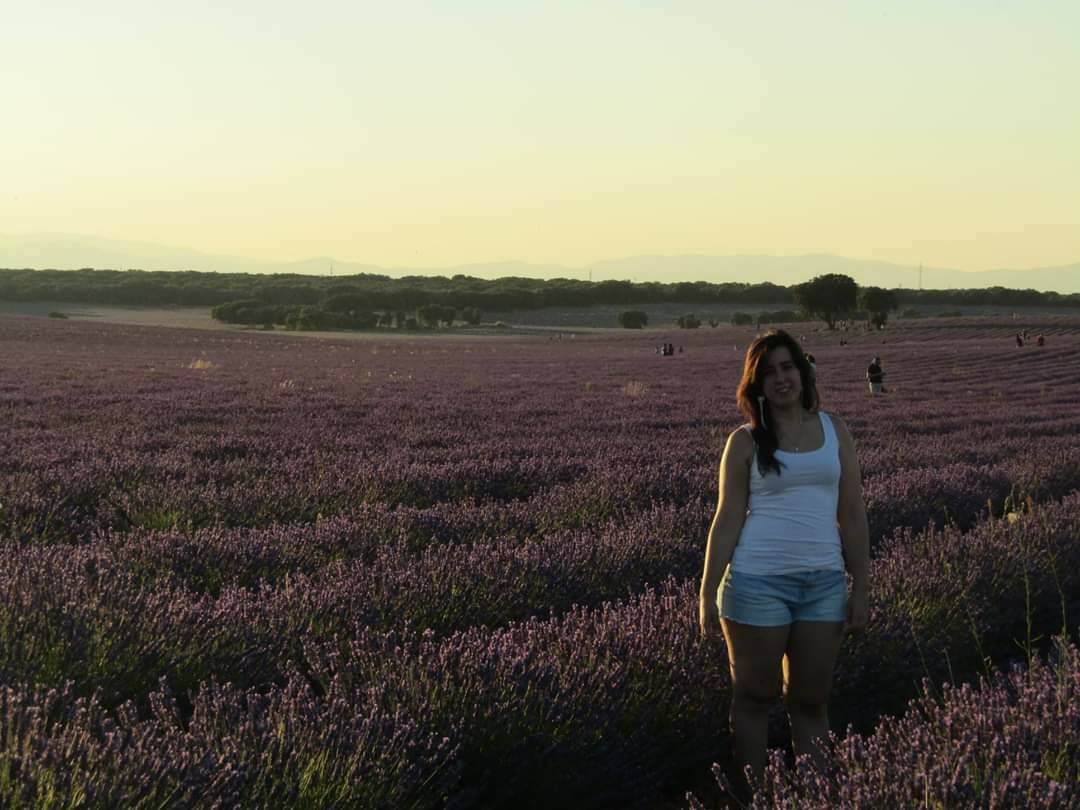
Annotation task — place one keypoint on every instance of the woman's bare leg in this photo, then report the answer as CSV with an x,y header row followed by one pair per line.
x,y
808,674
754,655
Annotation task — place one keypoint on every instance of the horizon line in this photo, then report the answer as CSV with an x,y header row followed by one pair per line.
x,y
494,262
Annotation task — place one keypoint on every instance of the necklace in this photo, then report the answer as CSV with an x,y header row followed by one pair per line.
x,y
799,432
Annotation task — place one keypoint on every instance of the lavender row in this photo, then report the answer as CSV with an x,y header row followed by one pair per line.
x,y
107,436
1009,742
959,494
500,570
473,501
384,570
116,615
347,460
113,617
596,703
946,602
442,588
292,747
624,694
941,594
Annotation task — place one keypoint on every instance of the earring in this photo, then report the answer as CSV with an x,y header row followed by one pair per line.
x,y
761,410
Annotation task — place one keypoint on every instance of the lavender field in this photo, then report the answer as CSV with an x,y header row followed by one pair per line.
x,y
257,570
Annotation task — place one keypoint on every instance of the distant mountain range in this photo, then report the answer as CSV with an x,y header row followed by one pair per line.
x,y
71,251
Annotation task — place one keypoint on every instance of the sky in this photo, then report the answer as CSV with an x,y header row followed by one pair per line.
x,y
433,134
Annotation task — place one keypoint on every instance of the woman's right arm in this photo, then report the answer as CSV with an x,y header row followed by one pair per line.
x,y
726,525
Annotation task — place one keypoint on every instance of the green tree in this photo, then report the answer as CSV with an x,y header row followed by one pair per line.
x,y
347,302
614,291
878,303
428,314
306,319
827,297
355,319
432,315
633,319
690,321
285,293
249,311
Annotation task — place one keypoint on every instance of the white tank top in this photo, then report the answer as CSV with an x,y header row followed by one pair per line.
x,y
791,518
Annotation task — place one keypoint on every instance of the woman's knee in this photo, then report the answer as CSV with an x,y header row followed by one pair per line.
x,y
753,701
807,705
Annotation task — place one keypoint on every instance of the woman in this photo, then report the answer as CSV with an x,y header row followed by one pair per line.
x,y
790,518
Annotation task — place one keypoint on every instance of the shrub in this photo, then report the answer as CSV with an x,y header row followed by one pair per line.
x,y
251,312
633,319
781,316
316,319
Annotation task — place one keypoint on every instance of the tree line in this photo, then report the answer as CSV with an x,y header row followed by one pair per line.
x,y
327,301
193,288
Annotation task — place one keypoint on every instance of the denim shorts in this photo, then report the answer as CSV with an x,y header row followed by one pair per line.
x,y
779,599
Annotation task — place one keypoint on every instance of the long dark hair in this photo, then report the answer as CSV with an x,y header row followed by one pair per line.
x,y
751,398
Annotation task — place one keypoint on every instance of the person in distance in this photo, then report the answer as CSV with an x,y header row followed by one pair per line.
x,y
875,376
790,520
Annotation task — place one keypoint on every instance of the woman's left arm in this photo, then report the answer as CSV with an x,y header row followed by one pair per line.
x,y
854,529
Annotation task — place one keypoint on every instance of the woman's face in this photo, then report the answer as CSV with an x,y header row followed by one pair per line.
x,y
781,382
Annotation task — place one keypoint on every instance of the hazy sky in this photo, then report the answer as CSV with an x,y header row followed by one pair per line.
x,y
400,132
